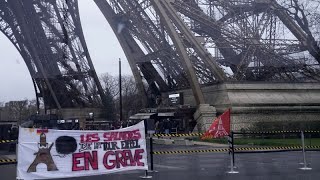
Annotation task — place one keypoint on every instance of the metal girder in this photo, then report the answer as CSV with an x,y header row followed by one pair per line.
x,y
202,53
168,43
181,50
210,27
243,34
148,36
49,37
238,38
20,11
132,52
215,29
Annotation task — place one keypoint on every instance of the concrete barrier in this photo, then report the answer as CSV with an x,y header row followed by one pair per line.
x,y
185,142
163,141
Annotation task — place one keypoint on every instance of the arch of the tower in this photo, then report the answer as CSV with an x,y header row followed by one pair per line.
x,y
49,37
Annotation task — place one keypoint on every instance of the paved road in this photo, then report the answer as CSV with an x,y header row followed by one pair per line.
x,y
203,166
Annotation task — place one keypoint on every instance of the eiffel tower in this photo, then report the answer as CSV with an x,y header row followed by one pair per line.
x,y
196,47
49,37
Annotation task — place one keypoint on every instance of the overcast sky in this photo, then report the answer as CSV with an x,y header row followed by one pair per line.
x,y
103,47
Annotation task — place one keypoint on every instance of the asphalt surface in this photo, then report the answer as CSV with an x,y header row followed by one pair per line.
x,y
202,166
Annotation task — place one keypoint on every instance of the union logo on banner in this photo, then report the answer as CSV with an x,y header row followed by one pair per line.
x,y
220,127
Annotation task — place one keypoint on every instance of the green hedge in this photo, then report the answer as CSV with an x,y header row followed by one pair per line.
x,y
285,126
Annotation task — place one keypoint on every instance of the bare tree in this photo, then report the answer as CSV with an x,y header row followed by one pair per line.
x,y
17,109
306,14
110,84
31,108
131,102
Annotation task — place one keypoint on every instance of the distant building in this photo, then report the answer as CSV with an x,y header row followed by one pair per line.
x,y
4,114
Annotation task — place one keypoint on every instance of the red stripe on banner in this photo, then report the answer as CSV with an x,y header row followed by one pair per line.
x,y
39,131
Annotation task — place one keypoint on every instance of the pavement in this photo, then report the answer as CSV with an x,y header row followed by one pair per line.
x,y
216,145
203,166
6,154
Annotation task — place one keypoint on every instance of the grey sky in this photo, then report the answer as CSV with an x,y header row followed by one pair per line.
x,y
103,46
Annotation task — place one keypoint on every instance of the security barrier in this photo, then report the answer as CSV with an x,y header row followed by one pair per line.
x,y
178,135
6,141
276,149
235,132
7,161
275,132
232,150
242,150
191,151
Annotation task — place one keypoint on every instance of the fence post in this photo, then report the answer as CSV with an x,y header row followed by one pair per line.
x,y
151,156
304,153
146,176
232,138
231,152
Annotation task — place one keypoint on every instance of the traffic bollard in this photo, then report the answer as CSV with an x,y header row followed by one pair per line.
x,y
305,167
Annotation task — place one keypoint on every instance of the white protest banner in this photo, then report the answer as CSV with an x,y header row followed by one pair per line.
x,y
48,154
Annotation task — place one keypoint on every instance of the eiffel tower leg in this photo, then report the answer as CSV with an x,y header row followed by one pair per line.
x,y
33,166
51,166
204,116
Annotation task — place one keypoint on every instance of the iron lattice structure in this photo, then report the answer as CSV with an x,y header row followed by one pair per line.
x,y
170,44
177,44
49,37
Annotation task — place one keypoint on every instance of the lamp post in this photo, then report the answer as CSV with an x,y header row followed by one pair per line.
x,y
120,91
